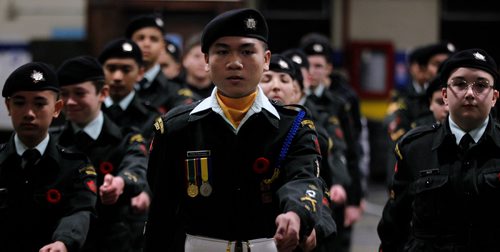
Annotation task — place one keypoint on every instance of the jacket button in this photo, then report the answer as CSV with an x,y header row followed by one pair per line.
x,y
428,182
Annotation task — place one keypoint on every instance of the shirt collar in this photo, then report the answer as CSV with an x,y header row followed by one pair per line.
x,y
21,148
261,102
475,133
318,91
151,74
93,129
124,103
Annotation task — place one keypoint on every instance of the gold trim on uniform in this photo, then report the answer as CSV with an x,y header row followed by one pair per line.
x,y
89,170
308,123
159,124
396,149
136,138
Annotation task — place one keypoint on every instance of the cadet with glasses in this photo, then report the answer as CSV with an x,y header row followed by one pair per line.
x,y
445,190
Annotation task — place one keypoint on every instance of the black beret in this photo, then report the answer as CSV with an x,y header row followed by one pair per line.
x,y
427,52
471,58
434,85
173,49
282,64
318,48
297,56
121,48
239,22
79,69
144,21
34,76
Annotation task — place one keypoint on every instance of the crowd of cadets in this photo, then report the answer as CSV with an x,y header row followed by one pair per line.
x,y
112,103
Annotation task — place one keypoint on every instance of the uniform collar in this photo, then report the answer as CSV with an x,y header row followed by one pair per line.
x,y
21,148
150,75
476,134
94,128
261,102
124,103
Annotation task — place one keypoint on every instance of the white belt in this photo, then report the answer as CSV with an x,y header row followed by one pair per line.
x,y
199,243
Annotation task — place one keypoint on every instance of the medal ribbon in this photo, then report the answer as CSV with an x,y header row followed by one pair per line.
x,y
205,172
191,171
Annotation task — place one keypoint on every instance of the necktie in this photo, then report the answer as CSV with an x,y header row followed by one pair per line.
x,y
29,158
465,142
141,84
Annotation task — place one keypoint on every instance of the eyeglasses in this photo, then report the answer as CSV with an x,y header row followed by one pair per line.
x,y
461,85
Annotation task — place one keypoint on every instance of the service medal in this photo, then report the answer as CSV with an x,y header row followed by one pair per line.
x,y
205,189
192,190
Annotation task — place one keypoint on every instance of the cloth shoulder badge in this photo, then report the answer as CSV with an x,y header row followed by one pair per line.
x,y
159,125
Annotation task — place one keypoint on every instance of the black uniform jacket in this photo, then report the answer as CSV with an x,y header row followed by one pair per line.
x,y
118,152
51,201
338,110
137,114
241,205
443,199
163,94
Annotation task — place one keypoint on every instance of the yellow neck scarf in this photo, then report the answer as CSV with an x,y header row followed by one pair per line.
x,y
236,108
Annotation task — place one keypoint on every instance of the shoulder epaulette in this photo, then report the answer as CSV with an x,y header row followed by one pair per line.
x,y
418,132
159,124
292,109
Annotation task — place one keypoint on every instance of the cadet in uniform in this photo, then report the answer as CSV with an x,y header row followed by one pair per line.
x,y
319,56
118,154
47,193
436,105
148,31
242,172
444,195
122,63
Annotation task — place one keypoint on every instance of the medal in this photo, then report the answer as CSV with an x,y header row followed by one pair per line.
x,y
192,182
205,189
192,190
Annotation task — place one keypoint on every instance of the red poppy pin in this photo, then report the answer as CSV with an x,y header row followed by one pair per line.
x,y
53,196
106,167
261,165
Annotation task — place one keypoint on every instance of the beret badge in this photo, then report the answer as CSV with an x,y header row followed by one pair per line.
x,y
37,76
251,24
127,47
479,56
283,64
318,48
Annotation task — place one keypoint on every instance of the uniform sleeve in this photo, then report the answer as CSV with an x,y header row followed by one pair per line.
x,y
160,227
302,190
133,166
73,227
394,226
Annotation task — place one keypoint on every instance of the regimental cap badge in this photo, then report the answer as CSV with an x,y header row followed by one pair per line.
x,y
171,48
318,48
450,47
479,56
127,47
297,59
251,24
283,64
159,22
37,76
